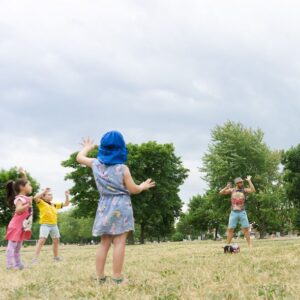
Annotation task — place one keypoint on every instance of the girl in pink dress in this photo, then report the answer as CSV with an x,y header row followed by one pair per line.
x,y
19,228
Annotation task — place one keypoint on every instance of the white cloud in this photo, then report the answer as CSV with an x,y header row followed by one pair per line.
x,y
154,70
42,160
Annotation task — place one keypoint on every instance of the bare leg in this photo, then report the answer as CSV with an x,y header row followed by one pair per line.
x,y
55,242
39,246
230,232
101,254
119,242
247,235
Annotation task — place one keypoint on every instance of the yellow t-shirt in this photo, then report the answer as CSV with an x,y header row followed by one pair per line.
x,y
48,212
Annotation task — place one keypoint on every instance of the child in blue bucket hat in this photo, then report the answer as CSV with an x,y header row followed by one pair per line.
x,y
114,216
112,149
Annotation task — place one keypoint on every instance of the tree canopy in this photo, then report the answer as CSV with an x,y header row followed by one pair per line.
x,y
5,176
155,210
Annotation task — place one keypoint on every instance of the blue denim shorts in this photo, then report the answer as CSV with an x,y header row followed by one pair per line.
x,y
47,229
238,217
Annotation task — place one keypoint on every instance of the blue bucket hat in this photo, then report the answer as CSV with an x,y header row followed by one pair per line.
x,y
112,149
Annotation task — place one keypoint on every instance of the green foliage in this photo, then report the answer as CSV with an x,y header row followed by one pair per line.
x,y
184,226
203,214
5,212
75,230
154,210
85,194
2,236
177,237
271,210
238,151
200,213
291,177
291,162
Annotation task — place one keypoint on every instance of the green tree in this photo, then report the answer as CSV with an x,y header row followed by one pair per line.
x,y
184,227
271,210
75,230
239,151
84,191
2,236
291,177
6,175
154,210
202,215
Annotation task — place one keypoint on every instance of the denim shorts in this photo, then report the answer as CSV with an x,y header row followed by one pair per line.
x,y
47,229
238,217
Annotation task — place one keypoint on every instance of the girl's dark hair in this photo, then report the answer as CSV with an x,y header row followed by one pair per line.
x,y
13,188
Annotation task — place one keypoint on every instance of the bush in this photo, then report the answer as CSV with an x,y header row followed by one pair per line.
x,y
177,237
210,236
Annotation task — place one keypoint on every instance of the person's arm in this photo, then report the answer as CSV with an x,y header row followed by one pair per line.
x,y
134,188
67,202
252,188
22,173
81,157
21,207
226,190
37,197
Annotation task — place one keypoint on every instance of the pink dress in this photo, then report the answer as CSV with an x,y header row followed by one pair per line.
x,y
15,231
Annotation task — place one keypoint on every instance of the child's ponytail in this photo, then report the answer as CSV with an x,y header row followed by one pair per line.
x,y
10,193
13,189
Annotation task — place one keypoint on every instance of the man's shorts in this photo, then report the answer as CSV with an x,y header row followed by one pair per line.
x,y
238,216
47,229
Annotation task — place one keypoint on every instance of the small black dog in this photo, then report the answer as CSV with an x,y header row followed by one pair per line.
x,y
231,248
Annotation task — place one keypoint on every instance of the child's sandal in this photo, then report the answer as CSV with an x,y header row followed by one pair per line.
x,y
102,280
119,281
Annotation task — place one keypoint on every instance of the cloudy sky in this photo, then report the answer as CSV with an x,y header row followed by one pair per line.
x,y
156,70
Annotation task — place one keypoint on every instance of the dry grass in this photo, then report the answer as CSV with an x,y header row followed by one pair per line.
x,y
191,270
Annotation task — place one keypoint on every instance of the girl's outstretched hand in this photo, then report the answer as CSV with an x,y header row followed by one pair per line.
x,y
132,187
148,184
82,156
21,170
88,144
22,173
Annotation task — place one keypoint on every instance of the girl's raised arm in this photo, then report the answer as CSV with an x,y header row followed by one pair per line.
x,y
134,188
37,197
81,157
22,173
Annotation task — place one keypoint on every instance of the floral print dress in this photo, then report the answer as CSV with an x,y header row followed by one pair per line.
x,y
114,213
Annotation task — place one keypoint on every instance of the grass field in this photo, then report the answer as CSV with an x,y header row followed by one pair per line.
x,y
186,270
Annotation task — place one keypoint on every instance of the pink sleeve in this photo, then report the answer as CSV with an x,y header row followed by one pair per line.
x,y
20,199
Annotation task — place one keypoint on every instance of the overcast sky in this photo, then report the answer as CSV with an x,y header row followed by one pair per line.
x,y
155,70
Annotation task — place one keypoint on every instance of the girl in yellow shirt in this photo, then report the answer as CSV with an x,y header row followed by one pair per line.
x,y
48,221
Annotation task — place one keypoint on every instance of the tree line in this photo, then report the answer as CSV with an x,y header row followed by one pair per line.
x,y
234,150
